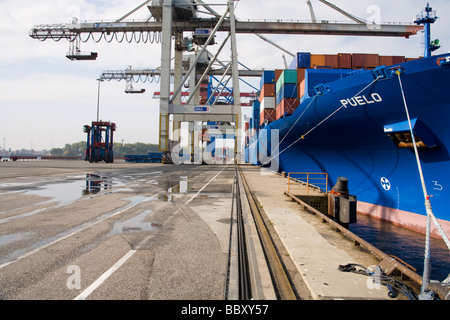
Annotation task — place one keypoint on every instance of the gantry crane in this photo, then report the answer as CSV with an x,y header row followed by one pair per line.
x,y
209,94
171,18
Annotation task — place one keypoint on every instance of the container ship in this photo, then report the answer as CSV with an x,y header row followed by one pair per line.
x,y
353,115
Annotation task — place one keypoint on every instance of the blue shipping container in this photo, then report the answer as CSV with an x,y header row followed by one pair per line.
x,y
314,77
255,109
267,77
288,90
301,60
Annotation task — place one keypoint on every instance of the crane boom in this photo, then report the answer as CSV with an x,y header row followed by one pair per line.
x,y
105,29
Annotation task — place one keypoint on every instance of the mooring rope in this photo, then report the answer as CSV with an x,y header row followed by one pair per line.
x,y
427,197
290,129
430,215
302,137
379,277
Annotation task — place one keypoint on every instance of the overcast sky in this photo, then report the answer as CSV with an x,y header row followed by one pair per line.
x,y
45,99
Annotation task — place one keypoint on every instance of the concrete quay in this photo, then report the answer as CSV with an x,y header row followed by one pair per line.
x,y
314,247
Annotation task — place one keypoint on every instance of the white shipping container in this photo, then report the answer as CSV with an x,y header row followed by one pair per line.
x,y
268,103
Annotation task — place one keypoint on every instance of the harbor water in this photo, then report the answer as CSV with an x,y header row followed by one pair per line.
x,y
405,244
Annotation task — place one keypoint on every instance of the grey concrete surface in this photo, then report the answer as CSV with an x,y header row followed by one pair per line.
x,y
315,249
72,229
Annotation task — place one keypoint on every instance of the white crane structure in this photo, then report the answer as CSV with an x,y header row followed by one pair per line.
x,y
169,20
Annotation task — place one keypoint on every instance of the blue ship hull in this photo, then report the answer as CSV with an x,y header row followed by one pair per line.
x,y
360,141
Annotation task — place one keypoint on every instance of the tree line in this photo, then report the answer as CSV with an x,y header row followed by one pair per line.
x,y
78,149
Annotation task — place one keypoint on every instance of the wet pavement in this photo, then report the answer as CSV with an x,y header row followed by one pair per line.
x,y
74,230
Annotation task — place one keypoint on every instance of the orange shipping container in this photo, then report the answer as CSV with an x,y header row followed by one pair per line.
x,y
278,113
278,73
300,75
386,61
364,60
302,89
287,106
267,90
358,60
317,60
332,61
398,59
267,114
344,60
372,60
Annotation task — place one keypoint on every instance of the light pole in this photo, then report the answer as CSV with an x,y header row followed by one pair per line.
x,y
98,98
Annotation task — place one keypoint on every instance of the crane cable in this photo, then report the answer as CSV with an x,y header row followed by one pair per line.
x,y
59,32
108,76
144,36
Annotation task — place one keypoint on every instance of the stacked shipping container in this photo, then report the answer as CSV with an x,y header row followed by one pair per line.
x,y
267,97
282,90
287,93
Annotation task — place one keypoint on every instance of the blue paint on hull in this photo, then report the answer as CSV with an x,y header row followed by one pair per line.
x,y
353,142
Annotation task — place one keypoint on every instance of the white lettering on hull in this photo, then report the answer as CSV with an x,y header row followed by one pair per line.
x,y
362,100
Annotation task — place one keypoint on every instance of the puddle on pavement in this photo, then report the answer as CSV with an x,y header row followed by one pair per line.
x,y
69,191
130,225
76,187
138,223
96,183
9,238
172,187
134,224
63,193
